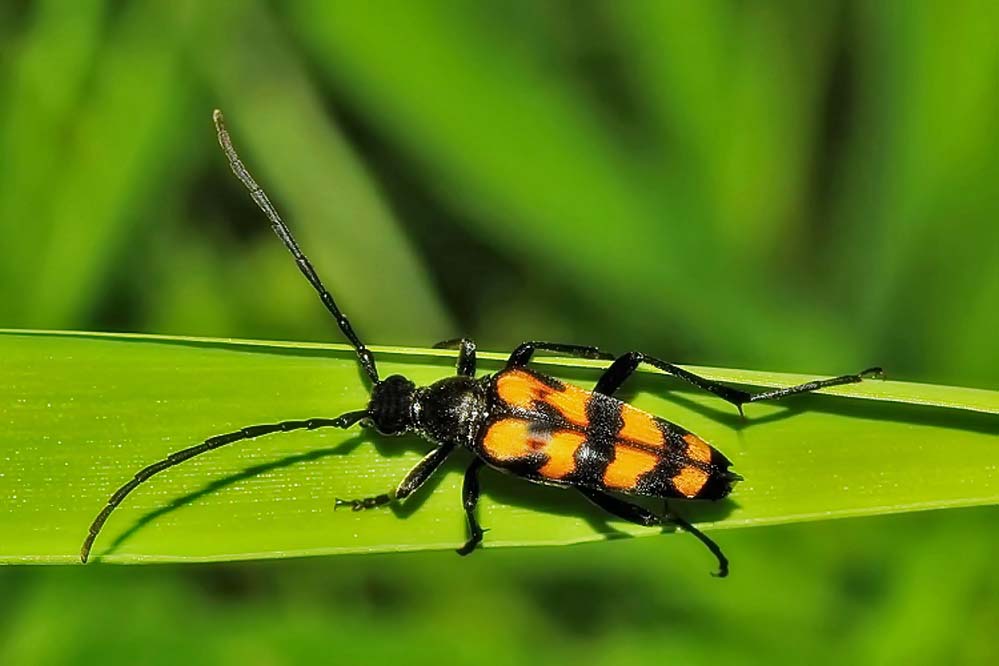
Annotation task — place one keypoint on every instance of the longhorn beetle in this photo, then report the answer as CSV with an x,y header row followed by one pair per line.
x,y
518,420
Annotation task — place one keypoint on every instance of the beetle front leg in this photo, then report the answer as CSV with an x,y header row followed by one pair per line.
x,y
466,354
416,477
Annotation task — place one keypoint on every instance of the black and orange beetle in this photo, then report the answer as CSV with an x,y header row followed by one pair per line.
x,y
518,420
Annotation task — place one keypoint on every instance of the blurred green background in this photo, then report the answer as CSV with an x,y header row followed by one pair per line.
x,y
807,187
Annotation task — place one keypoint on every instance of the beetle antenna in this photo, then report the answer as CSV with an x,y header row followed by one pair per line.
x,y
364,356
210,444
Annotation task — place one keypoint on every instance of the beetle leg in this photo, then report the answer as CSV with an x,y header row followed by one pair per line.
x,y
625,366
639,515
470,498
466,354
416,477
523,353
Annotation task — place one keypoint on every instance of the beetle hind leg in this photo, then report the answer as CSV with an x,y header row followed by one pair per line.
x,y
639,515
624,366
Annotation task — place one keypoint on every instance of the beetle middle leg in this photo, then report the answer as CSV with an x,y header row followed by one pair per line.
x,y
415,478
470,498
521,356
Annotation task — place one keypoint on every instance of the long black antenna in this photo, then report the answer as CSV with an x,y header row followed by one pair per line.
x,y
365,357
210,444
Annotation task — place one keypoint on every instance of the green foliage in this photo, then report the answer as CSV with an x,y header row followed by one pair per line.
x,y
85,420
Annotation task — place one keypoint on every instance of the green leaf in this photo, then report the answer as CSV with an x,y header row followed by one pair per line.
x,y
81,412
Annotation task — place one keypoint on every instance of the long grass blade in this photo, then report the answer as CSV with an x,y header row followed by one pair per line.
x,y
81,412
